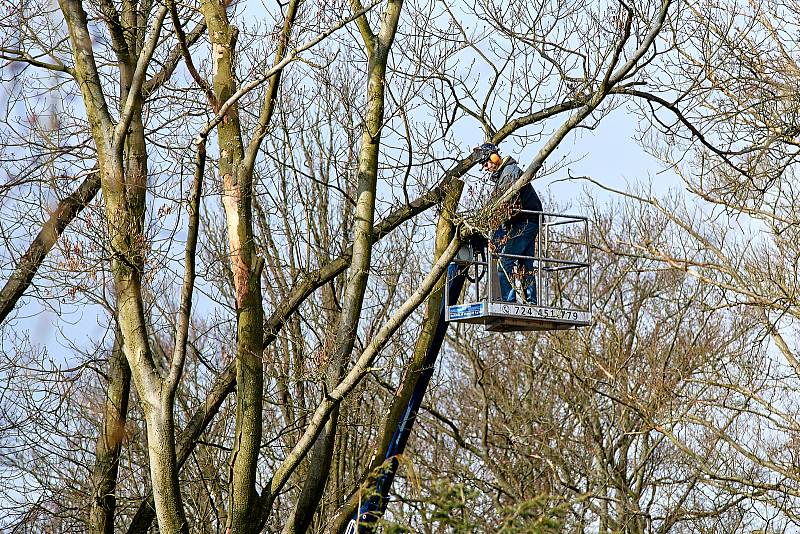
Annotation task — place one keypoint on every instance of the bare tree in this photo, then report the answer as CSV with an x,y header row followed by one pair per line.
x,y
575,429
592,80
285,296
723,125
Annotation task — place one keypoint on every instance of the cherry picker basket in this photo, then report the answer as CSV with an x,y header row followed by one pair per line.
x,y
561,266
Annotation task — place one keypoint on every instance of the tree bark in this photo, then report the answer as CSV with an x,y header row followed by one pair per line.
x,y
246,267
109,443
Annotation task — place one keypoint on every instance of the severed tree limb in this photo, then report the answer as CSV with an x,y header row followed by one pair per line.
x,y
65,212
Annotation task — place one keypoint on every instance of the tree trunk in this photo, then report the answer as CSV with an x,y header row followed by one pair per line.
x,y
109,443
378,51
246,267
124,210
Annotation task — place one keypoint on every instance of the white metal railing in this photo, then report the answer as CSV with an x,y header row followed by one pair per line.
x,y
562,260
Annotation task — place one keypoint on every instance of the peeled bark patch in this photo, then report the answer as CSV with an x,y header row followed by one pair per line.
x,y
230,199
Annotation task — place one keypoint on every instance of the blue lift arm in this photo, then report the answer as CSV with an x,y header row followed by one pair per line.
x,y
374,506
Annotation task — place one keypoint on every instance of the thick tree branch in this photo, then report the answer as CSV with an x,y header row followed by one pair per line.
x,y
363,26
223,386
87,74
110,442
65,212
118,42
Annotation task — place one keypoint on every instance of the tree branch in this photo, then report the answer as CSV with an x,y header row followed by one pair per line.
x,y
278,67
65,212
182,330
268,106
363,26
187,57
20,56
134,92
174,58
86,71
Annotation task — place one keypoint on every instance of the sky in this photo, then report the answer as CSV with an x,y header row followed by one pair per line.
x,y
608,154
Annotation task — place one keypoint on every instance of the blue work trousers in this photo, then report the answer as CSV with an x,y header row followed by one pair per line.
x,y
518,238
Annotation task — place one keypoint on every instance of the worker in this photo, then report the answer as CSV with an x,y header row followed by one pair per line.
x,y
516,235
